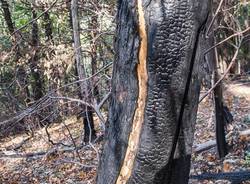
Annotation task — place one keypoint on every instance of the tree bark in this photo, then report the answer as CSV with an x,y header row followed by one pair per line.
x,y
21,73
7,16
220,116
87,113
219,109
37,84
11,28
155,90
48,27
93,45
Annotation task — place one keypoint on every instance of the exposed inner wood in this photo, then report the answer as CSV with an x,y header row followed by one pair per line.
x,y
138,119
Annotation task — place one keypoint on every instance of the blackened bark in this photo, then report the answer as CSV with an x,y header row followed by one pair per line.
x,y
83,94
21,73
174,30
89,129
7,16
11,28
48,27
68,5
220,116
37,84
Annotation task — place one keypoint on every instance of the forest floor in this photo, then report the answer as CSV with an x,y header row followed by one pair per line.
x,y
36,160
237,99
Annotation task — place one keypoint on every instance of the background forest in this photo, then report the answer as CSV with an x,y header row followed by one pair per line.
x,y
55,70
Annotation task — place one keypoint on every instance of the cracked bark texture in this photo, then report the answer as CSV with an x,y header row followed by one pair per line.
x,y
175,36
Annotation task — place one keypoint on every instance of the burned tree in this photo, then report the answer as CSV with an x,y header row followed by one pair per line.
x,y
36,78
155,90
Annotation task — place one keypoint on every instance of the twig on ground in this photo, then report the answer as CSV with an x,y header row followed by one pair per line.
x,y
204,146
18,146
50,140
212,143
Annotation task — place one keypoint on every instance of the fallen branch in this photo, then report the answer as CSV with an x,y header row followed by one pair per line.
x,y
16,147
50,140
235,177
245,132
29,111
204,146
13,154
212,143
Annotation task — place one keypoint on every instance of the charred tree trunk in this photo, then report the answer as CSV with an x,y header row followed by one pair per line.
x,y
37,85
11,28
87,112
68,5
48,26
219,109
7,16
21,73
155,90
222,114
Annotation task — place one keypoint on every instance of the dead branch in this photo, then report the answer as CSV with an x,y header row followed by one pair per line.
x,y
73,141
228,38
15,154
226,72
18,146
72,100
50,140
214,16
212,143
33,108
29,111
204,146
96,107
245,132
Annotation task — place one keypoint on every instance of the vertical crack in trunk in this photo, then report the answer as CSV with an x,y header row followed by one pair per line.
x,y
138,119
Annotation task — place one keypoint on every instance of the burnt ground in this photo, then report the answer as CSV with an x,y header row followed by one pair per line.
x,y
36,160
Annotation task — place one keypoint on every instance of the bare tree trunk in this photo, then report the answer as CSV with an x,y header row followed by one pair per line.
x,y
48,27
219,109
36,81
94,28
11,28
220,116
20,71
16,38
7,16
84,94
